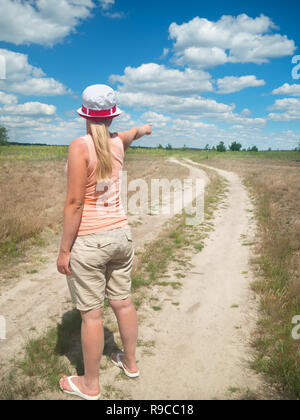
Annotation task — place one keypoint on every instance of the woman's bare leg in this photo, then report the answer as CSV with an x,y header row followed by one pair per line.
x,y
128,326
92,336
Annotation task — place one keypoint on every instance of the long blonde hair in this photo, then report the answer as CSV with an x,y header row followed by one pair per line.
x,y
101,137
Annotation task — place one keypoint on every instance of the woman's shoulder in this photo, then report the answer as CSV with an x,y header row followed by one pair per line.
x,y
79,145
79,141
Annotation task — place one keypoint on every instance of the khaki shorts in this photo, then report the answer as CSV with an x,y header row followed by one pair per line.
x,y
101,266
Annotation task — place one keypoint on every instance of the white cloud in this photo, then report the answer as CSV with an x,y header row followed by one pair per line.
x,y
193,106
235,84
242,39
246,112
26,79
156,118
6,99
29,109
287,89
41,21
123,122
107,4
165,52
208,57
290,108
39,87
157,78
44,22
181,124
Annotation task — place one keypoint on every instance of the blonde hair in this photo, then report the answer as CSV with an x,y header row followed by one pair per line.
x,y
101,136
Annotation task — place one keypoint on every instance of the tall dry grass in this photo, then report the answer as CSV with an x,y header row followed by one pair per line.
x,y
277,197
31,200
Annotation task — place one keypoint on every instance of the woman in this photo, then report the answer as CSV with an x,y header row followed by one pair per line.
x,y
96,250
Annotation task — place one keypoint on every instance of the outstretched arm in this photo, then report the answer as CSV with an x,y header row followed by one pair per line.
x,y
128,137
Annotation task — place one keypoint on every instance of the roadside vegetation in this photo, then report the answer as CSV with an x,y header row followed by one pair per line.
x,y
277,198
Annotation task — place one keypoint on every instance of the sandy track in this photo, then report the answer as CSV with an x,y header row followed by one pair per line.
x,y
202,348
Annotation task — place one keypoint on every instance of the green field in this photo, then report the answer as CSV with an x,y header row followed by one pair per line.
x,y
40,153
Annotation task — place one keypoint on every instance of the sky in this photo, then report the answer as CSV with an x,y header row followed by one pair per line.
x,y
200,72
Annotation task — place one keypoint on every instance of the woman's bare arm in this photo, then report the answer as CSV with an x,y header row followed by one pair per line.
x,y
77,178
134,134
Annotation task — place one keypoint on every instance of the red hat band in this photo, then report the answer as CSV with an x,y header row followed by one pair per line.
x,y
99,114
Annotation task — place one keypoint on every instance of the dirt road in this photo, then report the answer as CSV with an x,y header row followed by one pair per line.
x,y
202,347
201,344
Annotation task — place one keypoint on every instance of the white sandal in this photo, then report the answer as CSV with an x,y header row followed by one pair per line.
x,y
77,393
121,366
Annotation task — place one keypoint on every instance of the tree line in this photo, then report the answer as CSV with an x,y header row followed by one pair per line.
x,y
234,147
221,147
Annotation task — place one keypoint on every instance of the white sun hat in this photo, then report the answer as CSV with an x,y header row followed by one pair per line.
x,y
99,102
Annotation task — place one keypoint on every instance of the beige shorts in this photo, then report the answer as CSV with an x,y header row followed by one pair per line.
x,y
101,266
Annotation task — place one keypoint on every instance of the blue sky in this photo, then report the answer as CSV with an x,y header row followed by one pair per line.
x,y
201,72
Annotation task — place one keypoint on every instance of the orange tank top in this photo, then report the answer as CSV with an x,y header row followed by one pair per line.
x,y
103,210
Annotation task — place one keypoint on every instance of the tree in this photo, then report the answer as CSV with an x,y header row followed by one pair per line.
x,y
235,147
253,149
160,146
3,136
221,147
298,148
207,147
169,147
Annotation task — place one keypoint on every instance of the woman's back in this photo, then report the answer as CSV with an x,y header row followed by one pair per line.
x,y
103,210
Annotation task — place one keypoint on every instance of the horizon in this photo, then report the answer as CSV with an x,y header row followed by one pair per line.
x,y
243,150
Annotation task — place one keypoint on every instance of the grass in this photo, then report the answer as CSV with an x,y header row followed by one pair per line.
x,y
43,363
234,390
213,155
278,275
32,153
